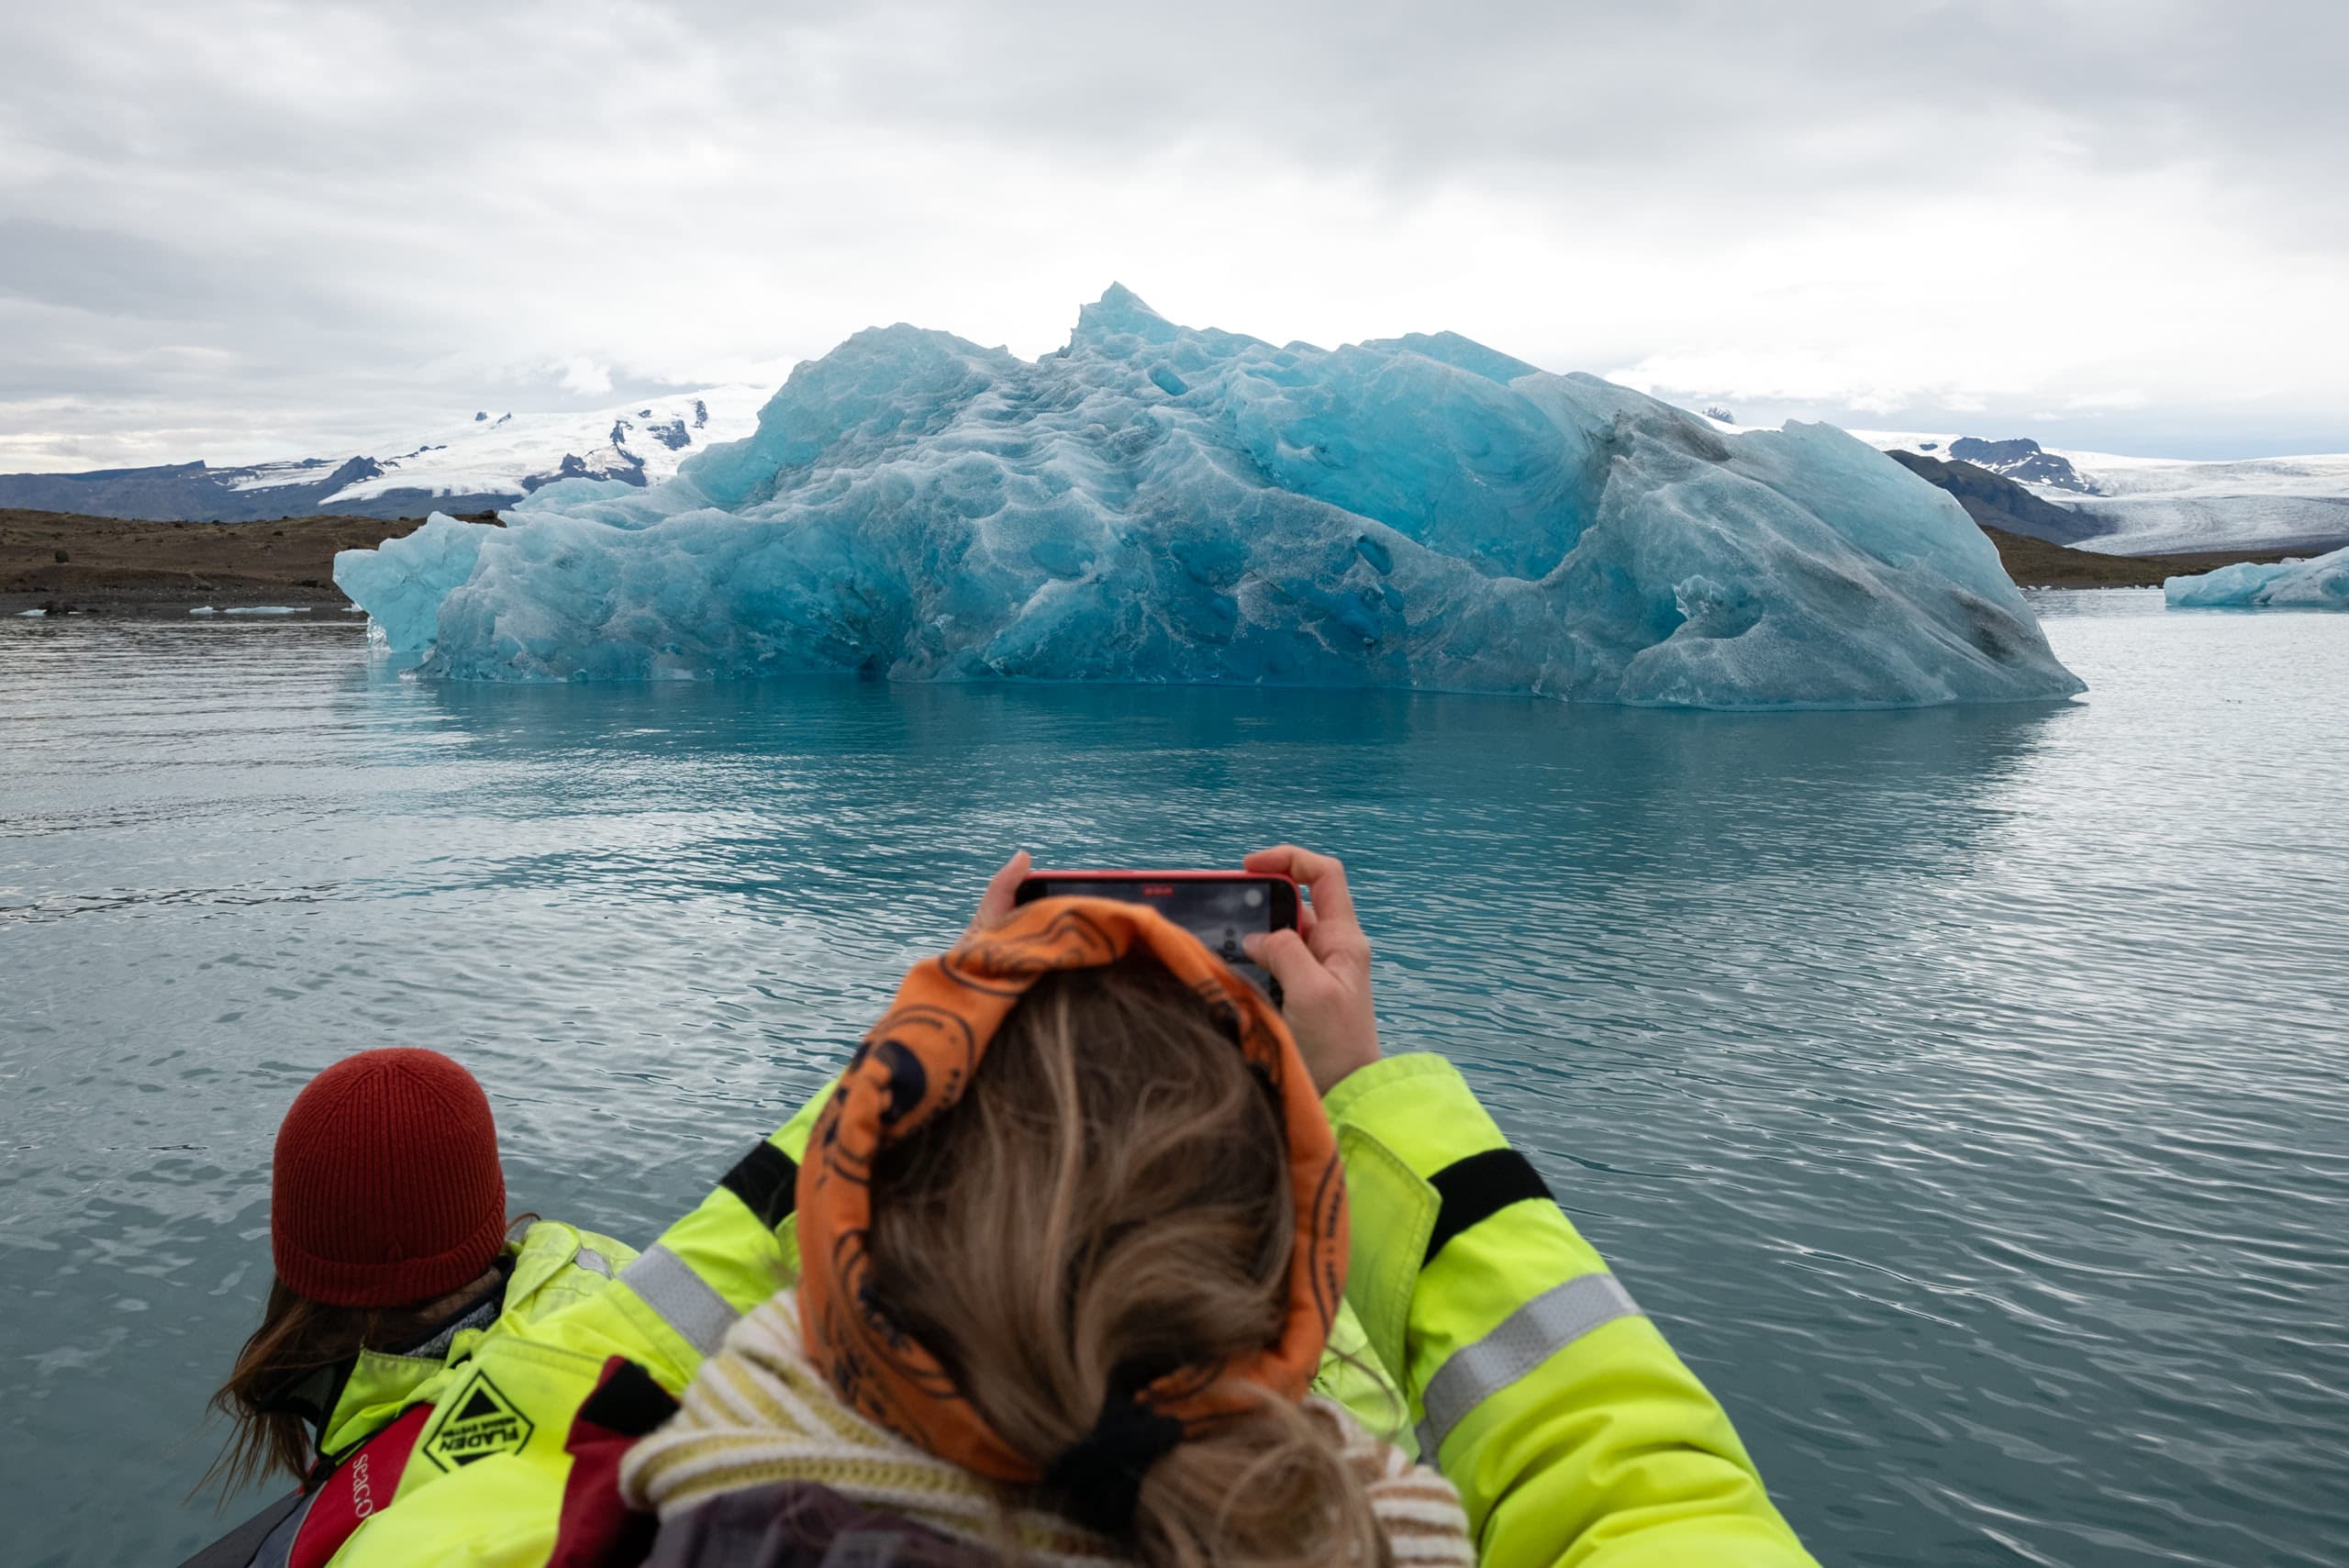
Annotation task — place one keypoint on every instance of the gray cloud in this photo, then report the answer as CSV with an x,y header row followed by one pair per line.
x,y
288,227
1417,90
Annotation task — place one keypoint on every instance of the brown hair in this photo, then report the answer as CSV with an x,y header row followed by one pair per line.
x,y
1112,1191
297,1339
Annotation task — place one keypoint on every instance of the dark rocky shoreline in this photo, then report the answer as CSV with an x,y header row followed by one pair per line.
x,y
2035,564
70,564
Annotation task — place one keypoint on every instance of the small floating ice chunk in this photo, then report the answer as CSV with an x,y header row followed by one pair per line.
x,y
23,614
2318,585
267,609
203,610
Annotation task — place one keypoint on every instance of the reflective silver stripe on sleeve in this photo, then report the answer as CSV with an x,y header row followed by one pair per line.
x,y
595,1263
683,1298
1526,1337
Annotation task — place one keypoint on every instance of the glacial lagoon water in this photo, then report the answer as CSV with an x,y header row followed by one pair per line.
x,y
1967,1091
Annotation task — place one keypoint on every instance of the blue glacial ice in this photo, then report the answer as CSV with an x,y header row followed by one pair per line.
x,y
1156,503
402,582
2318,585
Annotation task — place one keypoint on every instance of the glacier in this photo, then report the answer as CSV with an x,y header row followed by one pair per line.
x,y
1156,503
2322,584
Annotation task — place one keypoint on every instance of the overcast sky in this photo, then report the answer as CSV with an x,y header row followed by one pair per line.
x,y
236,230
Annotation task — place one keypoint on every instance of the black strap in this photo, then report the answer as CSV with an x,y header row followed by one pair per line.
x,y
1097,1479
1477,1188
767,1181
312,1395
628,1401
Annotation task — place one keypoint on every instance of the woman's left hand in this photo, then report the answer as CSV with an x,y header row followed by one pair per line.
x,y
995,904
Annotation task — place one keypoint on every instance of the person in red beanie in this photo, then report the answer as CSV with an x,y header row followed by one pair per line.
x,y
389,1236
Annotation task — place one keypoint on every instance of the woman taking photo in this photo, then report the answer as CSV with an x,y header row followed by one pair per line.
x,y
1090,1256
1075,1231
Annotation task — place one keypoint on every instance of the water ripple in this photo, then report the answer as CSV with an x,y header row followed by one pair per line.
x,y
1963,1091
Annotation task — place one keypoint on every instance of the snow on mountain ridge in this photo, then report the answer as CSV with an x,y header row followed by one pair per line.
x,y
2150,505
512,454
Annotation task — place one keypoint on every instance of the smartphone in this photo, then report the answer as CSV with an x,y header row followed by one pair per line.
x,y
1219,907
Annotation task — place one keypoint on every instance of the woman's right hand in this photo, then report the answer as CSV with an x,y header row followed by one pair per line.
x,y
1323,967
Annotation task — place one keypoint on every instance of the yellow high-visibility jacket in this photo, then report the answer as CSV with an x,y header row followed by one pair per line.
x,y
1574,1433
556,1267
406,1401
1520,1365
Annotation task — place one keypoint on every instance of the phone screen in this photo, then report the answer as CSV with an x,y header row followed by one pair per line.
x,y
1220,911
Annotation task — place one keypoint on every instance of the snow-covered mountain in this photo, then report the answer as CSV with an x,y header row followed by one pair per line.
x,y
487,460
2152,505
2127,506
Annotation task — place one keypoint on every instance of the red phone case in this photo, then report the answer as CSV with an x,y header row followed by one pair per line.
x,y
1295,898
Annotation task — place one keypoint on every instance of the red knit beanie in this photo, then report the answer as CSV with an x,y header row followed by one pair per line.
x,y
385,1190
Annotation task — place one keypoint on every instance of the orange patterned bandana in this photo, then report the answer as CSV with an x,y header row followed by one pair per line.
x,y
919,1059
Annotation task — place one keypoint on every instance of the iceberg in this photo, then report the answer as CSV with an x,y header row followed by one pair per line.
x,y
1156,503
402,582
2318,585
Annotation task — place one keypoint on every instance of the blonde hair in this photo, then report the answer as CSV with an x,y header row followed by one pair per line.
x,y
1111,1194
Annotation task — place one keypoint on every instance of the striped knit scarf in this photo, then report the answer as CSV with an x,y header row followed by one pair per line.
x,y
758,1412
